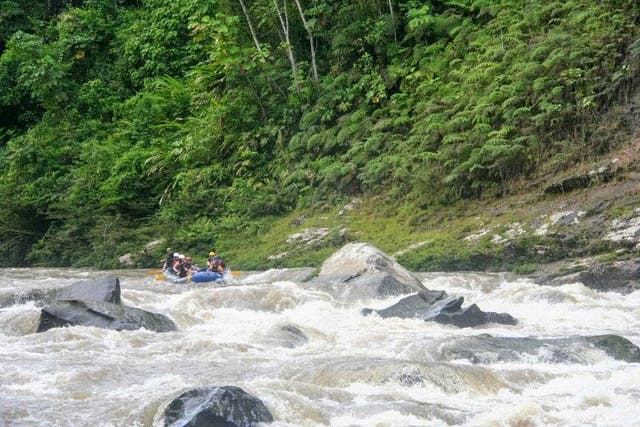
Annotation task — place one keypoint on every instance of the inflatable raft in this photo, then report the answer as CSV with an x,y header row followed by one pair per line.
x,y
170,277
206,276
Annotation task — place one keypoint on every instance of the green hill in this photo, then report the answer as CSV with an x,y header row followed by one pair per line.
x,y
276,131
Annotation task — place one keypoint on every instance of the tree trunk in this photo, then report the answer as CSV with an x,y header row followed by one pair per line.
x,y
248,18
283,17
393,20
312,42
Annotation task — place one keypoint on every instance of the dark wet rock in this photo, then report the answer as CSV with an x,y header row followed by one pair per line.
x,y
97,302
473,316
621,276
617,347
423,305
571,183
360,270
487,349
293,335
224,406
106,289
288,336
442,308
102,315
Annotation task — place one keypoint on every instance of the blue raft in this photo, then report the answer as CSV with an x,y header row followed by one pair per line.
x,y
170,277
206,276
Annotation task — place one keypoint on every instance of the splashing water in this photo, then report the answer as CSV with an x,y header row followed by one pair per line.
x,y
315,361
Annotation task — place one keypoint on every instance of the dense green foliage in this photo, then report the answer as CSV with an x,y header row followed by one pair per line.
x,y
122,122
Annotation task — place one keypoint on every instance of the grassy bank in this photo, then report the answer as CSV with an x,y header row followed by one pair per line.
x,y
517,233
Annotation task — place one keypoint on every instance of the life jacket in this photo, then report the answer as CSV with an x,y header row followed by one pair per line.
x,y
178,268
217,264
168,262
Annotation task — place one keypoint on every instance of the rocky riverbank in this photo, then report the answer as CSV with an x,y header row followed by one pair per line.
x,y
583,221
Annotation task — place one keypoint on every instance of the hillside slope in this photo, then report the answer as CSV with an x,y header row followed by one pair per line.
x,y
590,210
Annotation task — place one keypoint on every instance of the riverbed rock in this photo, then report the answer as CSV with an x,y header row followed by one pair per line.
x,y
620,276
97,302
225,406
105,289
488,349
360,270
288,336
102,315
441,308
617,347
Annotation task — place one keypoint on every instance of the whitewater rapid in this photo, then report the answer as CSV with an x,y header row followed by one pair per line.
x,y
314,360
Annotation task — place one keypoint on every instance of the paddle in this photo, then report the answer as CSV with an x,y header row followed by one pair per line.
x,y
154,272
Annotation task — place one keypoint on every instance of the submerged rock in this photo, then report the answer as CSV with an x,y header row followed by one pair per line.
x,y
288,336
360,270
296,275
487,349
617,347
102,315
439,307
621,276
24,296
473,316
227,406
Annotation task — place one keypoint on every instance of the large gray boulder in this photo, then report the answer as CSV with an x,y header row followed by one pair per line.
x,y
97,302
441,308
101,314
105,289
361,271
224,406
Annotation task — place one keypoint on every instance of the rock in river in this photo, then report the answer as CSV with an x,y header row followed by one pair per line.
x,y
442,308
360,271
227,406
102,315
97,303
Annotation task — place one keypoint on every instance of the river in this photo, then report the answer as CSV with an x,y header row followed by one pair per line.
x,y
351,370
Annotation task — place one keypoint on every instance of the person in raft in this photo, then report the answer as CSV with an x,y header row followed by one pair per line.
x,y
189,267
216,264
179,266
169,260
212,255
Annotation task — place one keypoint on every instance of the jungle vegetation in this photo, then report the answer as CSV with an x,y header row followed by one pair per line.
x,y
125,121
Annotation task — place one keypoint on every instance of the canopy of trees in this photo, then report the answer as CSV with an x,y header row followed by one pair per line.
x,y
122,121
